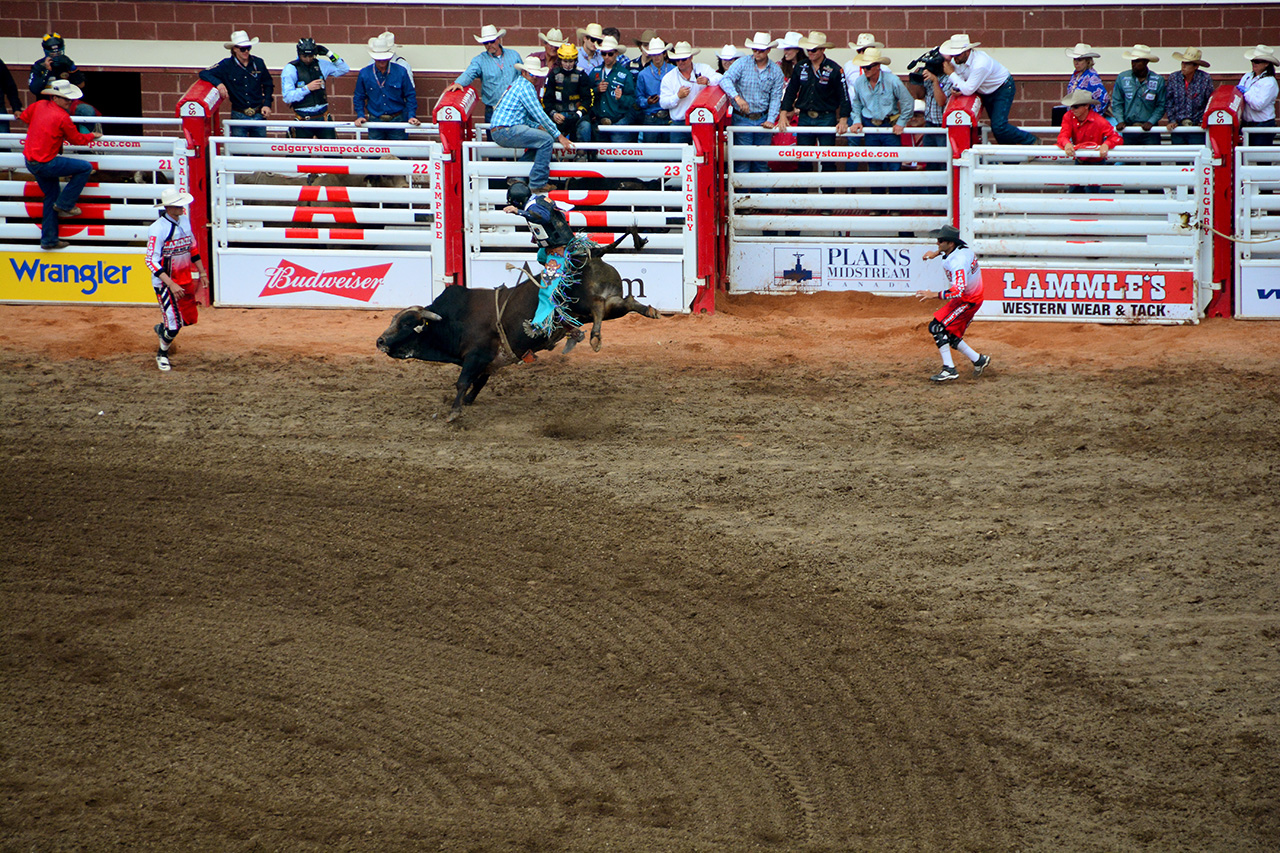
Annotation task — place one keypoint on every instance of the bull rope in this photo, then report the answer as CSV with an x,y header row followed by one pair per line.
x,y
502,333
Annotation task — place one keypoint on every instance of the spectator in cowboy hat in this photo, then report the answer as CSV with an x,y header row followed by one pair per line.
x,y
1084,77
615,91
384,93
551,40
681,86
496,68
792,54
975,72
589,58
49,126
519,121
643,42
390,38
1138,96
851,69
726,57
1260,91
816,93
649,88
1084,127
755,87
243,79
1187,93
879,99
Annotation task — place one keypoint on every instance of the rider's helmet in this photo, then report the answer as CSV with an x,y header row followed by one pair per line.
x,y
518,195
53,44
567,51
306,47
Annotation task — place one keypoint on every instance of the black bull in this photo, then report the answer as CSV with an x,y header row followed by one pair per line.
x,y
462,325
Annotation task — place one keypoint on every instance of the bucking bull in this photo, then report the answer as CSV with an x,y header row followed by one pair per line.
x,y
482,329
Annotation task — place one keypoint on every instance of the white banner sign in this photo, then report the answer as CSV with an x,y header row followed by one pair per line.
x,y
655,280
871,267
1259,289
302,278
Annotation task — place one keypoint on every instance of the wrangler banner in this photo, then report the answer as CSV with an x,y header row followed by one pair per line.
x,y
1090,295
91,277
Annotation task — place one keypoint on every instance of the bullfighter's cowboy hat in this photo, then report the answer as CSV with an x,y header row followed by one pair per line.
x,y
63,89
489,33
865,40
174,197
240,38
815,41
947,232
1191,55
957,45
871,56
1262,53
1140,51
760,42
1078,98
1082,51
534,66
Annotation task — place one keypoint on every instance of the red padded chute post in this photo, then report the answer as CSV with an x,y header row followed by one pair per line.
x,y
961,121
453,115
707,118
1222,122
199,111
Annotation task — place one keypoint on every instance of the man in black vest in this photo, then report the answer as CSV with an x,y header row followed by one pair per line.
x,y
302,87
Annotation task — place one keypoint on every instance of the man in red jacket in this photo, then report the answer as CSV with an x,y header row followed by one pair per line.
x,y
1083,127
49,123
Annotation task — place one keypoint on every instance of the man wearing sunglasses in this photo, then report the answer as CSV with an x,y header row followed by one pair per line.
x,y
816,96
243,79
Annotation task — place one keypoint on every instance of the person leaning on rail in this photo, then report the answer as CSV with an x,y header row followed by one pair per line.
x,y
1260,91
1138,96
880,99
1084,127
755,87
244,81
1187,94
975,72
386,91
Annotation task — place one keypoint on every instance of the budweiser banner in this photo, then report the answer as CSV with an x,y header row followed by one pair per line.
x,y
309,279
1090,295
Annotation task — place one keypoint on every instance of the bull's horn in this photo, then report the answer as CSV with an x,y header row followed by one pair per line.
x,y
429,316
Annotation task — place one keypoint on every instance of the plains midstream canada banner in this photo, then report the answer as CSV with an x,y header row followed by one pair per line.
x,y
888,267
93,277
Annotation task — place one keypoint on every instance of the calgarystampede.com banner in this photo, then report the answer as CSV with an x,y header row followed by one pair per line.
x,y
328,148
794,152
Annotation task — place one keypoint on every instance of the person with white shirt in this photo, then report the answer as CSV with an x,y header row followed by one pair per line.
x,y
1260,91
683,83
852,70
974,72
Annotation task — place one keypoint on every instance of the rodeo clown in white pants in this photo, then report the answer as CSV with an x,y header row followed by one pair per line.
x,y
171,252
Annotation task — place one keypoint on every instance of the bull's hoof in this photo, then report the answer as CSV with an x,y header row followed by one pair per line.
x,y
453,415
653,313
595,343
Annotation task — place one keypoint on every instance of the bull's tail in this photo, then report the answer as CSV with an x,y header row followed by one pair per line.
x,y
633,233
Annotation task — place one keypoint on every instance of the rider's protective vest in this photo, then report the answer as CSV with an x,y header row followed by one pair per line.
x,y
547,224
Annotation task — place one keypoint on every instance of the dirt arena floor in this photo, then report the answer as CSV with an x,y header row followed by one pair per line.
x,y
737,582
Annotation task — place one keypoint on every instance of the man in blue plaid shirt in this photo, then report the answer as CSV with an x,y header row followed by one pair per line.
x,y
756,89
518,122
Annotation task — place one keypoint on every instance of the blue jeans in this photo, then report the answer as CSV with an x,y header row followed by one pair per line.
x,y
56,196
255,132
997,105
659,119
881,140
536,142
750,139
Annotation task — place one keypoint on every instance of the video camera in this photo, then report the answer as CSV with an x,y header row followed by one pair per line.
x,y
932,60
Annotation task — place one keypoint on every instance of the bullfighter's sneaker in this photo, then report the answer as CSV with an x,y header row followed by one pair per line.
x,y
944,374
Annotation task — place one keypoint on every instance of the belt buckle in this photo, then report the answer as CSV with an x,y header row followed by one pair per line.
x,y
814,113
251,111
389,117
606,121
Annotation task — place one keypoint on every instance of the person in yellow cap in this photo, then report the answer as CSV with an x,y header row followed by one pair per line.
x,y
568,96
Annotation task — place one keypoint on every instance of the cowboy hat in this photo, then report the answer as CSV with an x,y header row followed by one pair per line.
x,y
1140,51
760,42
1082,51
552,37
489,33
865,40
870,56
63,89
919,106
682,50
646,37
655,46
610,43
380,48
790,40
728,53
174,197
1262,52
1079,97
240,39
957,45
592,31
534,66
389,36
1192,55
815,41
950,233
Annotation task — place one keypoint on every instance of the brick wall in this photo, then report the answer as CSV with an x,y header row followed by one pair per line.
x,y
996,27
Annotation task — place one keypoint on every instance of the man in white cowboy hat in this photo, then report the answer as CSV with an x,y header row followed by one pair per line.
x,y
649,89
879,99
681,86
851,69
390,38
172,251
384,93
1084,77
519,121
816,94
49,126
755,87
615,92
495,66
591,37
551,41
975,72
1137,97
1260,92
244,81
1187,93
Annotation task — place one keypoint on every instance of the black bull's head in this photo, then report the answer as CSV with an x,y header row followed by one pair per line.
x,y
402,337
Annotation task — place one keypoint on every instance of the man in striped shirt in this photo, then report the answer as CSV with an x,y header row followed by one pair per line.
x,y
519,120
